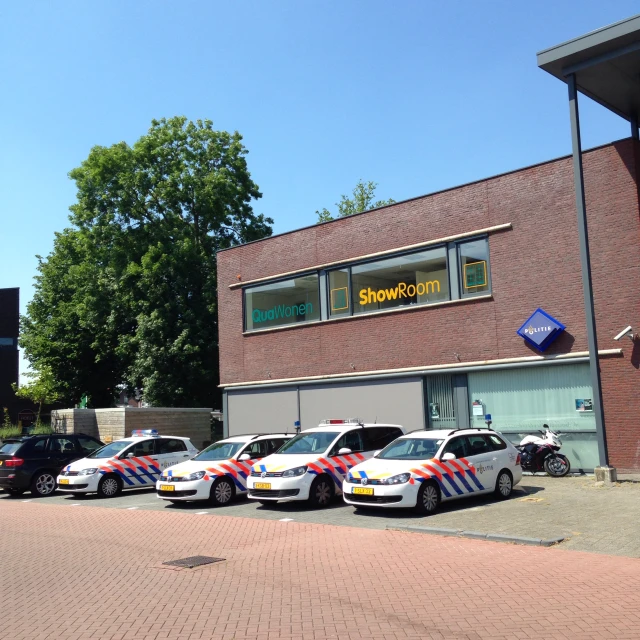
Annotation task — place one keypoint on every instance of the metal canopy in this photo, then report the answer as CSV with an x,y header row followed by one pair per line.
x,y
606,64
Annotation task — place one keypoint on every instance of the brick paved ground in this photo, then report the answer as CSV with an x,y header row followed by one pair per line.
x,y
85,572
598,519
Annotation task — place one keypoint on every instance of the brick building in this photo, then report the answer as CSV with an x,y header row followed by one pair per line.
x,y
408,313
9,364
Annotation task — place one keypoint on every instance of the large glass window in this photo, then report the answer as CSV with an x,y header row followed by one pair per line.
x,y
414,278
474,266
282,303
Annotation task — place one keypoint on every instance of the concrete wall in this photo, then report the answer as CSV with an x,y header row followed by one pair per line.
x,y
113,424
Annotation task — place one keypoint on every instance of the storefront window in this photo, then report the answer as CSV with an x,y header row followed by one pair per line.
x,y
282,303
414,278
474,266
339,294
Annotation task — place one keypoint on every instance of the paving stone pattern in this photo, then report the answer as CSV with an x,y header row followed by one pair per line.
x,y
81,573
598,519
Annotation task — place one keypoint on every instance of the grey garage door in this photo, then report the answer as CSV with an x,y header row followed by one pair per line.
x,y
262,411
390,401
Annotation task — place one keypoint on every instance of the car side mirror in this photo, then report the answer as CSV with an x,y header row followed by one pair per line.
x,y
131,454
376,453
448,456
243,457
345,451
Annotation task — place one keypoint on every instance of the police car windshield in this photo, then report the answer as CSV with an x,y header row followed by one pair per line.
x,y
110,450
220,451
315,442
411,449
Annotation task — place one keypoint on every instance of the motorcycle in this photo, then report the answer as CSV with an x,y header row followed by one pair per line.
x,y
541,454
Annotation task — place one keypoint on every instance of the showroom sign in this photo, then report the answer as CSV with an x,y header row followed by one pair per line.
x,y
401,290
540,329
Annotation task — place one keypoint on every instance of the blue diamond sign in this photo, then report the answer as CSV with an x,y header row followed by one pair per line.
x,y
540,330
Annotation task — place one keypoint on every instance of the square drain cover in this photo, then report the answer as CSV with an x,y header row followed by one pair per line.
x,y
193,561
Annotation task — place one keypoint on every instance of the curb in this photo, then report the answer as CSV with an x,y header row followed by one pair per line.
x,y
478,535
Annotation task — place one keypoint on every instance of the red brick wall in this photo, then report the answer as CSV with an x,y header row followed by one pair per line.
x,y
535,264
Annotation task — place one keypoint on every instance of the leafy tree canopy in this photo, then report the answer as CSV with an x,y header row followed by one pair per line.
x,y
361,200
42,388
129,293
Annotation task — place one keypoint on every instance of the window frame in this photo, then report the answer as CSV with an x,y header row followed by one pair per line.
x,y
275,281
463,292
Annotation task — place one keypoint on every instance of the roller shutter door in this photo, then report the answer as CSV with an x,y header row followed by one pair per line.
x,y
390,401
262,411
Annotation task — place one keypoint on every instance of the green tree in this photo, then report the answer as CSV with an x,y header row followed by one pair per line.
x,y
362,200
129,294
42,389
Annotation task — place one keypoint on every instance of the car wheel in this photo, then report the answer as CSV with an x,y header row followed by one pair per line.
x,y
321,492
43,484
428,498
16,492
109,486
504,484
222,492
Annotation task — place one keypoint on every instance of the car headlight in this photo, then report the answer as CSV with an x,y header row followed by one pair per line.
x,y
196,475
87,472
292,473
399,479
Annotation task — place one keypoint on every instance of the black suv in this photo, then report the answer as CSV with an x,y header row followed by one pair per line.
x,y
34,462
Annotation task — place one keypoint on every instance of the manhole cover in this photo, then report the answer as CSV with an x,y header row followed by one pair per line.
x,y
193,561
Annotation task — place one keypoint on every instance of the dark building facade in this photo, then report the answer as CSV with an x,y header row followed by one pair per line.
x,y
409,313
9,330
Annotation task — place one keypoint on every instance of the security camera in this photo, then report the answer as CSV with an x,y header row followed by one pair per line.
x,y
624,332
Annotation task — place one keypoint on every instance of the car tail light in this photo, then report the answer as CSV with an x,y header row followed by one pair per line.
x,y
14,462
518,460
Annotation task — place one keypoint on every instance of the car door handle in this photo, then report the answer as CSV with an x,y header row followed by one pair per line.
x,y
185,455
155,459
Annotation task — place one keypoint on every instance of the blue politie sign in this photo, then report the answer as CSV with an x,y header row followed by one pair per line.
x,y
540,330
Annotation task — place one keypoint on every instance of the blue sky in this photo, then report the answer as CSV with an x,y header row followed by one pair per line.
x,y
416,95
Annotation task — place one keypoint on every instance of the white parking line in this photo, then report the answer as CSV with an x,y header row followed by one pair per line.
x,y
286,520
202,513
25,500
76,504
131,508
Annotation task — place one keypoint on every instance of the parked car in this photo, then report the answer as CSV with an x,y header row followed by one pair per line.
x,y
313,465
130,463
33,462
219,472
423,468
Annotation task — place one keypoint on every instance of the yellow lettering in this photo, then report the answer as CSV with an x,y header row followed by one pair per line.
x,y
371,295
411,287
402,290
420,293
363,296
392,294
433,284
380,295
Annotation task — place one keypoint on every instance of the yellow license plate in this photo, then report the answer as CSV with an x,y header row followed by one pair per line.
x,y
362,491
167,487
64,482
262,485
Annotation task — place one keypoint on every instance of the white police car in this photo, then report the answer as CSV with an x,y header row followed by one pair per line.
x,y
130,463
423,468
313,465
219,472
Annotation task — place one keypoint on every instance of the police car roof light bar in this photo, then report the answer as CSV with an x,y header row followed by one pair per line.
x,y
141,433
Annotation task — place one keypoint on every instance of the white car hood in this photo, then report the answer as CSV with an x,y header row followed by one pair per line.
x,y
87,463
283,461
377,469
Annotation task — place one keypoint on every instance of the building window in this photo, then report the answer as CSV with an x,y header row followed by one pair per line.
x,y
283,303
410,279
474,266
339,293
7,343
